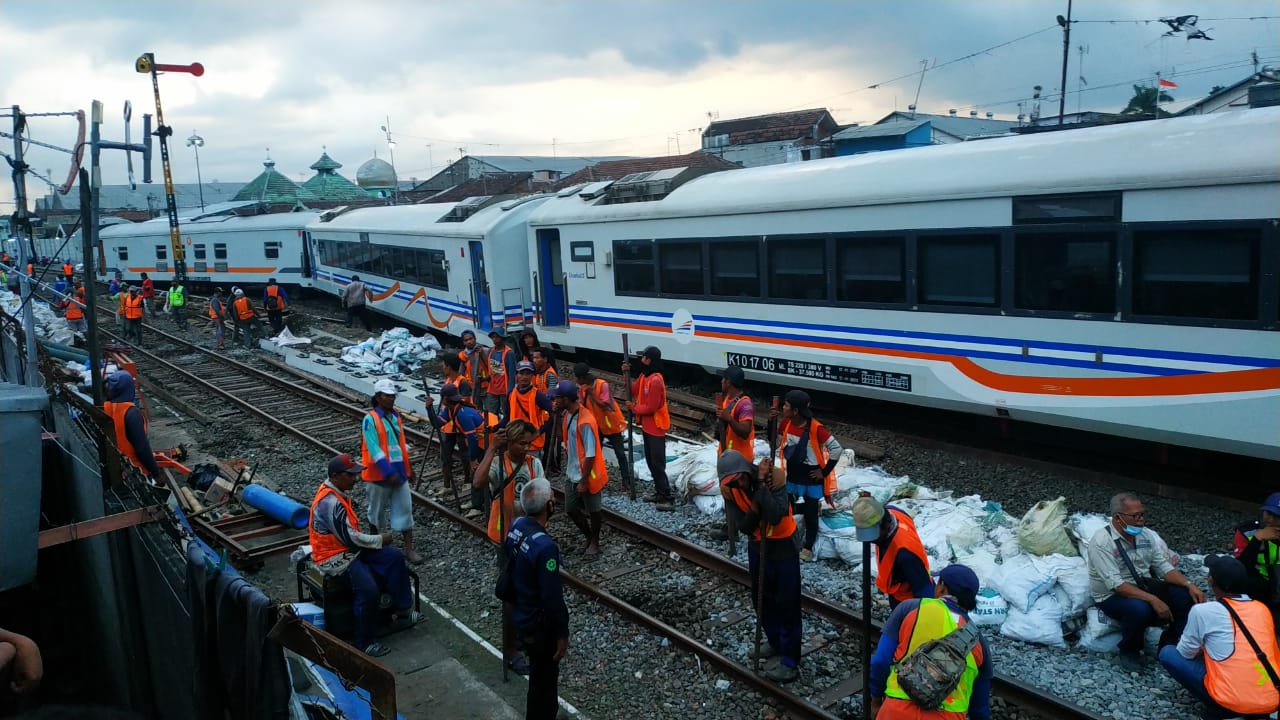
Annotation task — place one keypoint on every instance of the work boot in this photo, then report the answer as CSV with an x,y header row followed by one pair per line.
x,y
767,650
782,673
719,532
664,506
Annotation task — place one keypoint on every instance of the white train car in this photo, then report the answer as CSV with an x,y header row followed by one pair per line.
x,y
221,249
1119,279
445,266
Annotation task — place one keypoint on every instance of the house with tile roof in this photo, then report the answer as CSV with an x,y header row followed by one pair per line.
x,y
542,170
618,169
770,139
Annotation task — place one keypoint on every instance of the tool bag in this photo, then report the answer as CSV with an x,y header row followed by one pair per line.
x,y
933,670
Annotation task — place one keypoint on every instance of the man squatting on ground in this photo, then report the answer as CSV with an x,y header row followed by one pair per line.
x,y
385,458
585,470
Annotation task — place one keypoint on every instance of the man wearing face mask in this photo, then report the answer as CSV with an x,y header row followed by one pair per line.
x,y
1132,581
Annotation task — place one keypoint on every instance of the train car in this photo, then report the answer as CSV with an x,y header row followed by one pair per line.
x,y
426,264
222,248
1120,279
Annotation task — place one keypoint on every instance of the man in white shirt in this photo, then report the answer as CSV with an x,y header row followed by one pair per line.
x,y
1213,660
1132,581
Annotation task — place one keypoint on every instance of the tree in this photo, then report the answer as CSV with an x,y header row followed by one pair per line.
x,y
1146,101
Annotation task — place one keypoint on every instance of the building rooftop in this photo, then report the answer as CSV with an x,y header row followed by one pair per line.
x,y
272,187
615,169
771,127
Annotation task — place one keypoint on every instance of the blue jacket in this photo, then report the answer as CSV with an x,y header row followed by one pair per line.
x,y
120,390
535,572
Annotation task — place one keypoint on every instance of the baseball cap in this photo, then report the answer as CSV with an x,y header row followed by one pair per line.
x,y
732,462
498,332
385,387
581,370
1272,505
734,375
1228,573
651,352
867,513
963,584
565,389
450,392
343,463
524,365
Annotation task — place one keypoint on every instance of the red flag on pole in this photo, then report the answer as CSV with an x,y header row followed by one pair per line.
x,y
1167,83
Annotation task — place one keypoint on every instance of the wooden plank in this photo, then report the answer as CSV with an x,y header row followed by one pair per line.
x,y
97,526
851,685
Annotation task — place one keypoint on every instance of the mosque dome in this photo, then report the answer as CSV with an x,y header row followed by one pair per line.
x,y
376,174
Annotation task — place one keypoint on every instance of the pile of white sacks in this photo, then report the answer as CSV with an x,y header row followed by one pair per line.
x,y
395,351
49,325
1035,582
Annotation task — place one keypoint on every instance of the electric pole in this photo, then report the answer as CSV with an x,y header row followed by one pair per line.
x,y
1066,49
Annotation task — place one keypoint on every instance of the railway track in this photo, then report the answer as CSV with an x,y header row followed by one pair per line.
x,y
640,584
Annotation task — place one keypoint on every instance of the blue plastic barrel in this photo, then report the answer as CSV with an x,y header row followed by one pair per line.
x,y
277,506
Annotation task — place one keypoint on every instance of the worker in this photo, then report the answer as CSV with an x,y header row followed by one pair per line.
x,y
113,288
353,301
74,311
585,471
68,270
217,315
4,280
540,615
502,373
757,498
900,555
134,305
130,426
61,286
545,379
451,370
1260,553
1217,658
148,293
735,427
649,391
387,469
530,404
528,343
808,453
176,302
598,398
275,300
246,318
20,662
916,622
504,481
1125,560
368,560
463,425
475,367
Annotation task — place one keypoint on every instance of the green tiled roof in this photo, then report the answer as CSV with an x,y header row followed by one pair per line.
x,y
325,163
328,185
272,187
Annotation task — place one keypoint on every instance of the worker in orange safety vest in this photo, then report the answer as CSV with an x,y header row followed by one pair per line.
x,y
903,565
130,426
649,403
585,471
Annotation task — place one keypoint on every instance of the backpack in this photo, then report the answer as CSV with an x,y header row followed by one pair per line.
x,y
933,670
273,302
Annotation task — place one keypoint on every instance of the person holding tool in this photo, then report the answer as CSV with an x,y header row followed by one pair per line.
x,y
736,430
808,455
650,393
585,472
599,399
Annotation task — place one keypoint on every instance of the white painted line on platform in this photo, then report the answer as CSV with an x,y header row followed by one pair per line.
x,y
564,704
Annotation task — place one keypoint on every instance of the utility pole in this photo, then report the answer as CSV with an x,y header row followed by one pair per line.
x,y
924,67
1066,49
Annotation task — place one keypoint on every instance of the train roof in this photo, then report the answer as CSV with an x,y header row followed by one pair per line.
x,y
213,224
429,218
1215,149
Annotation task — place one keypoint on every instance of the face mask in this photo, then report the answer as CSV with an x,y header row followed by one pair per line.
x,y
1132,530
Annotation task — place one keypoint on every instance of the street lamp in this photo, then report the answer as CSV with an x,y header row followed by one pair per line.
x,y
195,142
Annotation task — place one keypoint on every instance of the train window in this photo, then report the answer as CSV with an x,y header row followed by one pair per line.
x,y
198,250
219,251
1080,207
403,264
432,270
1070,272
735,269
797,269
870,269
1196,273
162,252
680,268
960,270
122,253
271,249
633,271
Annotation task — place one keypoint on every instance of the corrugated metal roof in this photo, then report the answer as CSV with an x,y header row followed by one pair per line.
x,y
957,126
890,129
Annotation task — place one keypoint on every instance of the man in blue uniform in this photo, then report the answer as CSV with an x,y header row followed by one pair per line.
x,y
540,615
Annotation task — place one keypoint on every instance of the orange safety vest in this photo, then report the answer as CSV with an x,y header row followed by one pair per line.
x,y
117,410
502,511
609,418
327,545
215,314
596,475
784,529
371,472
499,383
31,269
1240,683
524,406
486,420
68,269
661,418
465,370
819,451
732,440
540,380
132,307
74,312
243,311
274,291
904,538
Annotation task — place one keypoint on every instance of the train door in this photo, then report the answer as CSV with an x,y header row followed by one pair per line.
x,y
308,260
550,281
480,288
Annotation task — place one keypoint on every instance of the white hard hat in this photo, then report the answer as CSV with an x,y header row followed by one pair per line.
x,y
386,387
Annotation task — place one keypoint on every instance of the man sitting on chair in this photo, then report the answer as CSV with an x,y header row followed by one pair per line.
x,y
370,562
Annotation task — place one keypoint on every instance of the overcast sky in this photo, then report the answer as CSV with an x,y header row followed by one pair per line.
x,y
596,78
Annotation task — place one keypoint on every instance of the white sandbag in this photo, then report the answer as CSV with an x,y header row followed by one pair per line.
x,y
1042,530
946,526
1086,524
288,339
1100,633
982,560
1006,542
838,530
1073,580
836,525
694,473
1022,583
1041,623
709,504
991,610
824,548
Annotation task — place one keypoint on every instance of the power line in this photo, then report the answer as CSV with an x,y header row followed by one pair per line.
x,y
1157,20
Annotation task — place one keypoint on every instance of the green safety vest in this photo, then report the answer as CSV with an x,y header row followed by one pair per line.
x,y
177,296
1268,555
933,620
